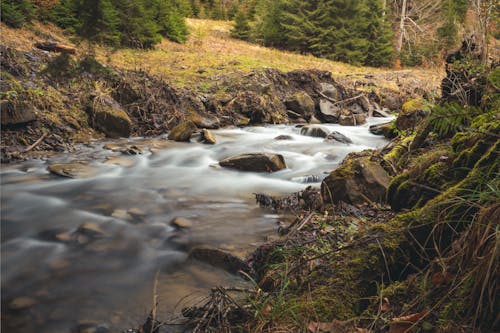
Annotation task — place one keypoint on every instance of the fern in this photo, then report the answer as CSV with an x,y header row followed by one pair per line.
x,y
449,119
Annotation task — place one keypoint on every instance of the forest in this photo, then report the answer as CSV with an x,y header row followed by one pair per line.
x,y
322,166
362,32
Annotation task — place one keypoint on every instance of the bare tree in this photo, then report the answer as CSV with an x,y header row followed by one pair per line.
x,y
484,10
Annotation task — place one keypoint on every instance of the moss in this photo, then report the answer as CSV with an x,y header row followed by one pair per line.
x,y
415,104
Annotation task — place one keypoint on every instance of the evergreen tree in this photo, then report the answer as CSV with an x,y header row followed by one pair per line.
x,y
379,35
268,18
137,25
16,12
98,21
169,20
241,29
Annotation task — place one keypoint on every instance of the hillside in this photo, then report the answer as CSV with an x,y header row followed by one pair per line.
x,y
208,52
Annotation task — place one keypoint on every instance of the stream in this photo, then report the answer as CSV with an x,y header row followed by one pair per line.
x,y
51,285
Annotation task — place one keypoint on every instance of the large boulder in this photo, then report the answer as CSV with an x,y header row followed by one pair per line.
x,y
315,131
16,113
414,111
328,112
339,137
359,179
183,131
259,162
300,103
110,118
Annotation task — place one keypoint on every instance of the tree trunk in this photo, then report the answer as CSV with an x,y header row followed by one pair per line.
x,y
399,46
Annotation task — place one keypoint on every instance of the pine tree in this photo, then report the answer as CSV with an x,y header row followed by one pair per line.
x,y
268,18
170,22
138,27
98,21
16,12
241,29
379,35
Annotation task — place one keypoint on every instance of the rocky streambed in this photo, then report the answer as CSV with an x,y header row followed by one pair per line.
x,y
85,234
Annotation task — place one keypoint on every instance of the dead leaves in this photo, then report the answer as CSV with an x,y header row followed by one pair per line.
x,y
335,326
405,324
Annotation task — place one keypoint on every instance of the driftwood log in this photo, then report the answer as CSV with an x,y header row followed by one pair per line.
x,y
55,47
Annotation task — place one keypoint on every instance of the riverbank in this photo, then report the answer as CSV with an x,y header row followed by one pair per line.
x,y
52,98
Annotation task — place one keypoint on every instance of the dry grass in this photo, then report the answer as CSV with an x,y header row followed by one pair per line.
x,y
208,53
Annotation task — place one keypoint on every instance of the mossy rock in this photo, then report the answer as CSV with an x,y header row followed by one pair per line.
x,y
413,112
183,131
13,113
110,118
359,179
388,130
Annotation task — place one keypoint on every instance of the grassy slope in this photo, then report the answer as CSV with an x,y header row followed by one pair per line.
x,y
208,53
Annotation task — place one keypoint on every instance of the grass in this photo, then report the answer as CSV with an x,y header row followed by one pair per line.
x,y
209,53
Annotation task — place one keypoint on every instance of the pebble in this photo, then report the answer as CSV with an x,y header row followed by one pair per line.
x,y
181,222
22,303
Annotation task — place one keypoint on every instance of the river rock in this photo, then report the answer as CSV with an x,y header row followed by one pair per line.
x,y
16,113
72,170
205,121
359,179
208,137
347,119
183,131
300,103
258,162
314,121
110,118
137,213
90,327
22,303
315,131
181,223
328,112
219,259
356,109
385,129
339,137
91,229
366,104
329,90
284,137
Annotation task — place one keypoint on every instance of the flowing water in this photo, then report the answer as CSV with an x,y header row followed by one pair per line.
x,y
132,199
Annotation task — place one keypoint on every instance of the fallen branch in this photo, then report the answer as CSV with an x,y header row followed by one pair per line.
x,y
55,47
37,142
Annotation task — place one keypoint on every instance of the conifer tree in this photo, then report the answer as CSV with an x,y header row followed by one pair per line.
x,y
379,35
169,20
137,25
16,12
98,21
241,29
